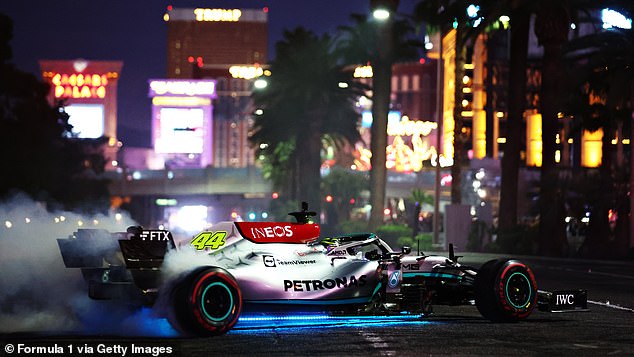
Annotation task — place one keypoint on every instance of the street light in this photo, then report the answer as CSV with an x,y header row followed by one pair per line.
x,y
381,14
260,83
381,83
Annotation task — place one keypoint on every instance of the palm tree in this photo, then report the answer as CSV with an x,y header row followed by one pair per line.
x,y
521,11
551,27
442,15
308,96
381,45
603,66
520,25
35,138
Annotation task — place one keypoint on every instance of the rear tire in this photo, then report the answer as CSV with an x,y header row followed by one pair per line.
x,y
207,302
505,290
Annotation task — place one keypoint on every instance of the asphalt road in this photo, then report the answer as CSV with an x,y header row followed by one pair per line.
x,y
607,329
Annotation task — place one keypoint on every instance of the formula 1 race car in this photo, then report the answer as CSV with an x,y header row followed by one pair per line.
x,y
280,266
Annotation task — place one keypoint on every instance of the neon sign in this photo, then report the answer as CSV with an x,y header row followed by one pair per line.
x,y
408,149
408,127
363,72
224,15
246,72
79,85
402,157
183,87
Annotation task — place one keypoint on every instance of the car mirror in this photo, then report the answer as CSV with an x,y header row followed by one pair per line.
x,y
406,250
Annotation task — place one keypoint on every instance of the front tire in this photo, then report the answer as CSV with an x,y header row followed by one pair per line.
x,y
505,290
207,302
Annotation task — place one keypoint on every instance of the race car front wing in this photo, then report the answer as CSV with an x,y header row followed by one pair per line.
x,y
562,300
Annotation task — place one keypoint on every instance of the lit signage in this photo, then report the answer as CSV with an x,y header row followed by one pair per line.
x,y
79,85
408,127
180,101
217,15
183,87
402,157
181,131
408,149
363,72
246,72
166,202
87,120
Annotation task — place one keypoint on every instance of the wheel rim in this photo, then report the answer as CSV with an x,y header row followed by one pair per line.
x,y
518,290
217,302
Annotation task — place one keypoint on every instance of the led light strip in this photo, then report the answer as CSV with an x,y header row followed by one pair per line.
x,y
299,318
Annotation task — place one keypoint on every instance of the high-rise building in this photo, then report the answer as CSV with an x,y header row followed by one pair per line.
x,y
228,46
214,36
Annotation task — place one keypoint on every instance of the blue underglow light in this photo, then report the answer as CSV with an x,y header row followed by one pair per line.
x,y
250,322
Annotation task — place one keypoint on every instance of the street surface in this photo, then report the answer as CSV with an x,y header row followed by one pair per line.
x,y
607,329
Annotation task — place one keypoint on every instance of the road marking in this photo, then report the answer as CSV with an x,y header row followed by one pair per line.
x,y
378,343
617,307
585,346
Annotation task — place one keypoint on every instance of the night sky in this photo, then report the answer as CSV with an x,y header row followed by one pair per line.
x,y
134,32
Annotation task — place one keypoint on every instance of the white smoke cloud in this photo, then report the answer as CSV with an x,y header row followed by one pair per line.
x,y
37,292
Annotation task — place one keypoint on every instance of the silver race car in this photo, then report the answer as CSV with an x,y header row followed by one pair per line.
x,y
279,266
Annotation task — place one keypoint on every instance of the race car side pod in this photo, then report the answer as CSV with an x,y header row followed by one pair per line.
x,y
562,301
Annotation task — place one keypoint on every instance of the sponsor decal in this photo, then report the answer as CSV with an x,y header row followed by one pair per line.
x,y
210,240
295,262
568,300
565,299
159,236
394,279
271,262
278,232
272,232
313,285
411,266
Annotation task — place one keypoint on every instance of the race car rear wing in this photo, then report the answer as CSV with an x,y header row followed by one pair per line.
x,y
117,265
563,301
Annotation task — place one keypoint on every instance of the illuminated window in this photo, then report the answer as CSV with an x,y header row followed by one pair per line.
x,y
534,139
416,83
404,83
591,148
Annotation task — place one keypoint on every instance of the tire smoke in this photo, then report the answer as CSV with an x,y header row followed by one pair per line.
x,y
39,294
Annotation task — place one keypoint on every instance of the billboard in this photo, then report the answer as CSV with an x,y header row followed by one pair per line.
x,y
181,131
182,121
87,120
